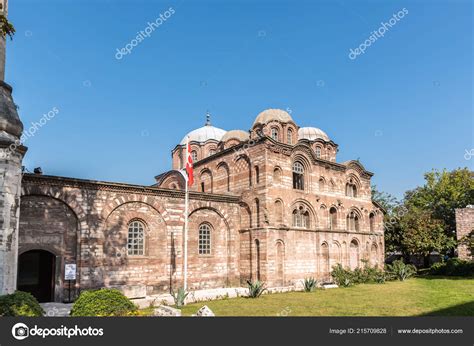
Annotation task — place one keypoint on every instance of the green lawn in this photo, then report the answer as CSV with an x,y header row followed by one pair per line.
x,y
415,297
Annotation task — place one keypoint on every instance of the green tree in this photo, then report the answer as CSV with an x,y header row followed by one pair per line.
x,y
423,234
6,28
393,212
442,193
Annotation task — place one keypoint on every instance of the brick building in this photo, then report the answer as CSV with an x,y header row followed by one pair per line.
x,y
271,204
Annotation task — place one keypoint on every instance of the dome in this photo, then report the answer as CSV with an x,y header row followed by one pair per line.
x,y
205,133
312,133
236,134
272,115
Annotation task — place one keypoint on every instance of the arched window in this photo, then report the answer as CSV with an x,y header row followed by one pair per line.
x,y
289,136
257,212
277,175
322,184
274,133
278,211
212,151
181,162
301,218
351,189
318,152
204,239
194,155
136,239
352,222
332,218
298,176
257,175
372,222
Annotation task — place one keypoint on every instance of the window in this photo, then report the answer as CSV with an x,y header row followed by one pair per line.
x,y
212,152
257,212
332,218
298,176
194,155
318,152
203,189
352,222
372,222
277,175
278,211
274,133
301,218
136,239
289,136
204,239
257,175
322,184
351,189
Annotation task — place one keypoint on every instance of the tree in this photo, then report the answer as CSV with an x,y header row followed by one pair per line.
x,y
423,234
6,28
442,193
393,212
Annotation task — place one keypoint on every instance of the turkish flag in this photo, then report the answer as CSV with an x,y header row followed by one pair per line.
x,y
189,166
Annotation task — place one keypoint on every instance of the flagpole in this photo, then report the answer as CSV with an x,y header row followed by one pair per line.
x,y
186,207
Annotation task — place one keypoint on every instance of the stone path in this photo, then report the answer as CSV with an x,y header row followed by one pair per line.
x,y
56,309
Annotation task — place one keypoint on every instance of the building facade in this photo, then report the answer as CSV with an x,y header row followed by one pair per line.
x,y
269,204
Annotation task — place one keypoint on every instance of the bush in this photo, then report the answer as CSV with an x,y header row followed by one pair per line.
x,y
342,277
400,271
20,304
453,267
180,297
256,288
102,303
310,284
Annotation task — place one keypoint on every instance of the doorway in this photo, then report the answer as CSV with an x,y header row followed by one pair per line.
x,y
36,274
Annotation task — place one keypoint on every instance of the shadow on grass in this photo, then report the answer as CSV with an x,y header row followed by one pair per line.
x,y
466,309
443,277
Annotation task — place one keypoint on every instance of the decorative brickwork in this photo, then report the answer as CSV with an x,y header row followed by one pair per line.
x,y
277,210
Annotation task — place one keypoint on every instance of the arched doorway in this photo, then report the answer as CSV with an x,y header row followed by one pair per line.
x,y
36,274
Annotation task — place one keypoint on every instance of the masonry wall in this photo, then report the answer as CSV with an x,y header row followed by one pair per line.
x,y
464,230
87,223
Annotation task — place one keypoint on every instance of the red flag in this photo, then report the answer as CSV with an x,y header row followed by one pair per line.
x,y
189,166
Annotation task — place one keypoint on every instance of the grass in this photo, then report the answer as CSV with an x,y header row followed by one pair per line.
x,y
427,296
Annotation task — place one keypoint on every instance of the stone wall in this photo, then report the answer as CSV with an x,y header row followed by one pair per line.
x,y
464,230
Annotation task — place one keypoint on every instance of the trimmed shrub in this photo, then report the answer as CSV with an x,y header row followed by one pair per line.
x,y
400,271
103,303
256,288
453,267
310,284
20,304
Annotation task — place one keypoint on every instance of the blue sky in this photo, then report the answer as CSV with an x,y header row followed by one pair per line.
x,y
404,107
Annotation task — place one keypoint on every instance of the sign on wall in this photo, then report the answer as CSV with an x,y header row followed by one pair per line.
x,y
70,271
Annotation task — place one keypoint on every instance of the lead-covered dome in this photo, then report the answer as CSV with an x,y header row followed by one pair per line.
x,y
205,133
236,134
312,133
270,115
